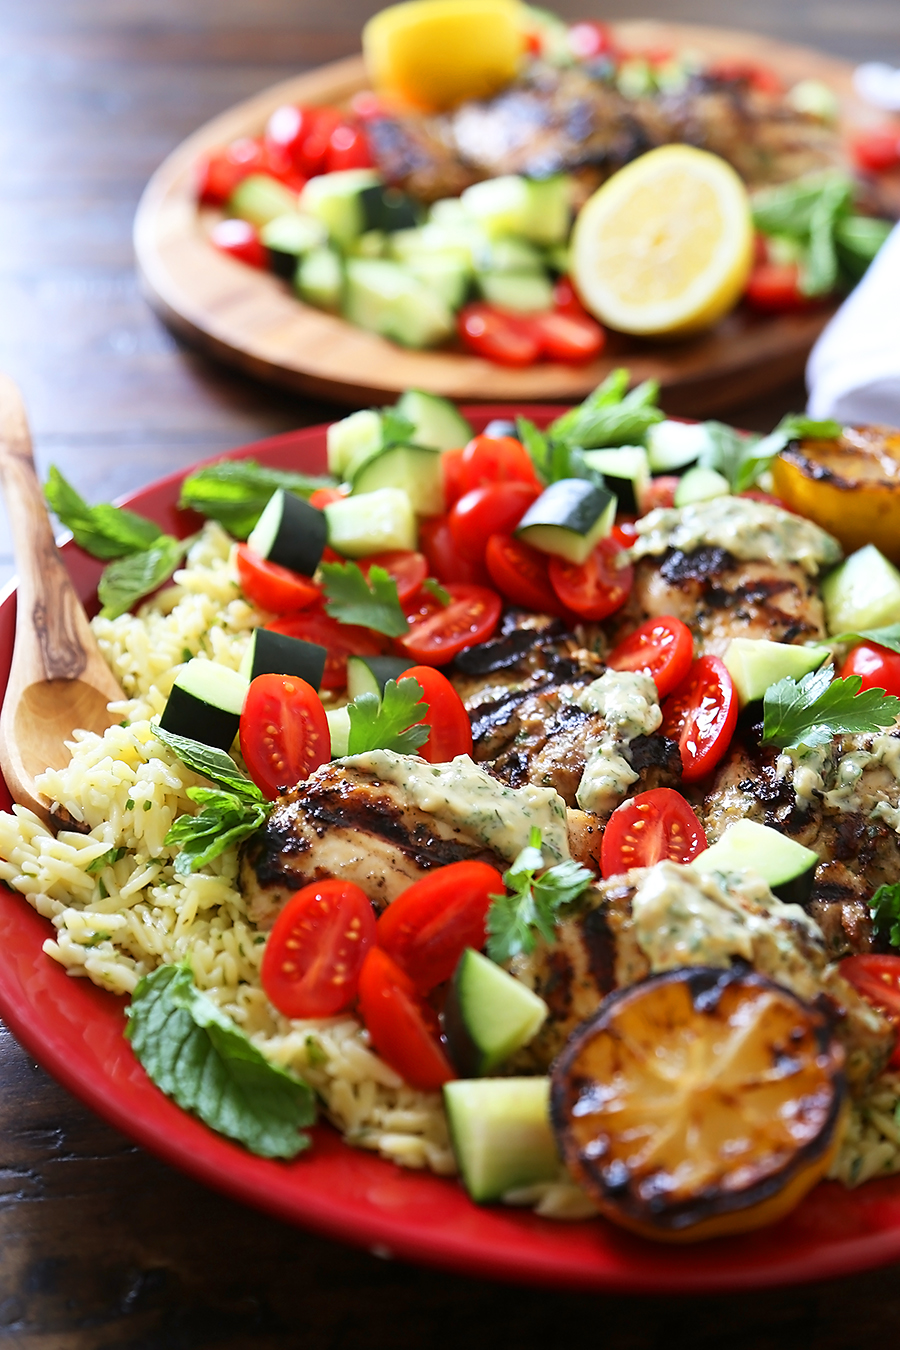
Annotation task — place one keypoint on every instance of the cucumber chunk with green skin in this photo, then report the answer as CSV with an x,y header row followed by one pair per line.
x,y
260,198
524,292
787,867
384,297
388,209
415,469
445,276
701,485
339,730
501,1133
626,472
319,279
436,422
336,200
277,654
863,592
513,255
755,663
290,532
673,446
369,674
352,438
488,1015
372,522
205,703
287,237
537,210
569,519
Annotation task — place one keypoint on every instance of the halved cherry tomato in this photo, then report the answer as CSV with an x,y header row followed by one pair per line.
x,y
495,459
662,648
877,666
284,732
649,828
877,978
404,1029
445,560
324,496
239,239
624,531
701,716
495,509
498,336
566,335
598,586
271,586
348,148
470,618
451,466
219,173
451,731
520,574
427,928
312,153
661,492
775,287
314,954
287,129
408,568
877,149
340,640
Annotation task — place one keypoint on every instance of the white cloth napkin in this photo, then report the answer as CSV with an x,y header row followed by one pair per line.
x,y
853,374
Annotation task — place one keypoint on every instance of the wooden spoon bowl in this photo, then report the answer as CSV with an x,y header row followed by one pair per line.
x,y
58,680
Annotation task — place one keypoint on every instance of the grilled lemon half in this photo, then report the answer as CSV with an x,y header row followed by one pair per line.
x,y
699,1102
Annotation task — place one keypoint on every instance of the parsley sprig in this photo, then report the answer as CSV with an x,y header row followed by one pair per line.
x,y
885,910
532,906
810,711
393,722
373,603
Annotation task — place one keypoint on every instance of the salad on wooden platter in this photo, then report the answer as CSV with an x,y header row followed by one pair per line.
x,y
527,801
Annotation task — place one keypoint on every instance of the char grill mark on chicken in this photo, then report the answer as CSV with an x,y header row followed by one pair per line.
x,y
720,597
342,822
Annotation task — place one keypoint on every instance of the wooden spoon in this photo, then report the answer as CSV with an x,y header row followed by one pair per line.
x,y
58,680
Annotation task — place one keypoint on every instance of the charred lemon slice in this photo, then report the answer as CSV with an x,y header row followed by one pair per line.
x,y
699,1102
849,486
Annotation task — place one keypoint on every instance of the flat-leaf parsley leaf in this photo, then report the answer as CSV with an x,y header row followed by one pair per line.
x,y
812,710
534,902
393,722
885,910
372,602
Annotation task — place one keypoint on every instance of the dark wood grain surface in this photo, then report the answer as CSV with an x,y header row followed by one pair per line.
x,y
100,1244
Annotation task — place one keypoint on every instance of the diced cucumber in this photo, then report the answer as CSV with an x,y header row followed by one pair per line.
x,y
755,663
674,445
372,244
463,246
288,237
863,592
277,654
336,200
385,298
558,258
369,674
626,472
569,519
448,211
388,209
787,867
371,523
444,275
501,1133
537,210
319,279
415,469
290,532
205,703
525,292
352,438
339,728
509,254
436,422
701,485
488,1015
260,198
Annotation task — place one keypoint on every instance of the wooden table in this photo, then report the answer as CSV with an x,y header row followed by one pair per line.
x,y
100,1244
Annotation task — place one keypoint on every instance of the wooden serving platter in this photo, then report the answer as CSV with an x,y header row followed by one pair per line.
x,y
251,319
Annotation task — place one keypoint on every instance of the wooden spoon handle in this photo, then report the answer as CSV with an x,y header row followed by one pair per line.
x,y
52,635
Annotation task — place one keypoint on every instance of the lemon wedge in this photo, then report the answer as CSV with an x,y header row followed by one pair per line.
x,y
436,53
665,246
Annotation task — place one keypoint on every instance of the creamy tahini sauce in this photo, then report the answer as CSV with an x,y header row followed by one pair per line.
x,y
464,794
840,779
629,706
747,529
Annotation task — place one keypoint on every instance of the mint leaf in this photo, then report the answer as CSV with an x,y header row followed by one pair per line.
x,y
104,531
396,429
790,208
225,820
128,580
889,636
792,427
534,902
885,910
373,603
390,723
819,274
203,1061
609,416
212,763
434,587
235,491
812,710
